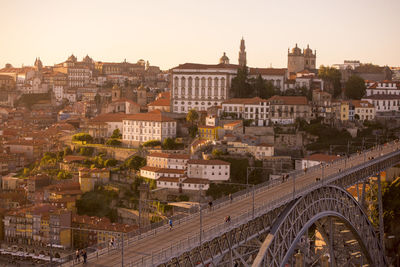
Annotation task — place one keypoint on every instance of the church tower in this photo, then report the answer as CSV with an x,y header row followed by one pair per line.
x,y
38,64
115,93
242,54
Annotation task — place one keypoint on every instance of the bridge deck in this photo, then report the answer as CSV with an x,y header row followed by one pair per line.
x,y
162,241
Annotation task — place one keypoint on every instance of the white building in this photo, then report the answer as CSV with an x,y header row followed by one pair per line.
x,y
168,160
384,103
255,109
201,86
213,170
79,76
155,172
183,183
363,110
142,127
314,160
384,87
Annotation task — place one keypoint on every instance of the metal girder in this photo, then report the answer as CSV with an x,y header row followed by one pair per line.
x,y
325,201
212,251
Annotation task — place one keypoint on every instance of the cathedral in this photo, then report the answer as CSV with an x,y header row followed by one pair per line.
x,y
301,60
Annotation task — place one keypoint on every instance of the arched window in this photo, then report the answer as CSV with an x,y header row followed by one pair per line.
x,y
203,82
216,93
222,84
176,84
196,82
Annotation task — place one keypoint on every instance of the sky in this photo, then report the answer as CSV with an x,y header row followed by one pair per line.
x,y
172,32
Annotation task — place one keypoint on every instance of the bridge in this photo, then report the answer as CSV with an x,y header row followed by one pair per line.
x,y
274,224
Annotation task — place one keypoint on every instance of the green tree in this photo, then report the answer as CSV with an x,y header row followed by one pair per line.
x,y
116,134
240,86
217,153
193,129
331,78
82,137
64,175
113,142
169,144
152,143
135,162
355,87
67,151
110,162
260,86
192,116
86,151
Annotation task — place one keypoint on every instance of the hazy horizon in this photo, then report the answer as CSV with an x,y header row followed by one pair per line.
x,y
169,33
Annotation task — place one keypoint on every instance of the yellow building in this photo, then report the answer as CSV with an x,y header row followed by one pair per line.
x,y
344,111
88,178
210,132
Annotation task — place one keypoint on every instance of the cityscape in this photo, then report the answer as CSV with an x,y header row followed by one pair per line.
x,y
282,150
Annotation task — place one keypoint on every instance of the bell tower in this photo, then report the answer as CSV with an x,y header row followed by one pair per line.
x,y
242,54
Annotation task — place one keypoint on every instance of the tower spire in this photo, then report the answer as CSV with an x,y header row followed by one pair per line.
x,y
242,53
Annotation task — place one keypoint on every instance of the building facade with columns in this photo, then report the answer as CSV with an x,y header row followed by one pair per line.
x,y
201,86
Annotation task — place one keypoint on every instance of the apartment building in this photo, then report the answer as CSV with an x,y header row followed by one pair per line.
x,y
142,127
286,109
213,170
38,225
167,160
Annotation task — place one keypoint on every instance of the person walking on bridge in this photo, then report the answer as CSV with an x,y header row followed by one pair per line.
x,y
170,224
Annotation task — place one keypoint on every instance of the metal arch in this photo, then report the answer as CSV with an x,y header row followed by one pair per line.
x,y
326,201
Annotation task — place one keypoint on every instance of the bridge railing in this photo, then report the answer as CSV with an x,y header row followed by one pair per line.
x,y
153,229
211,232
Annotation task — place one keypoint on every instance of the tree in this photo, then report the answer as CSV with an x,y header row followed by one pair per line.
x,y
192,116
355,87
240,86
193,131
67,151
152,143
217,153
135,162
116,134
331,77
86,151
259,86
64,175
169,144
110,163
113,142
82,137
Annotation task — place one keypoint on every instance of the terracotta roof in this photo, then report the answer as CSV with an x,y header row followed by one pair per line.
x,y
321,157
361,104
208,162
169,155
196,181
289,100
252,71
162,170
110,117
234,123
249,101
24,142
71,158
169,179
154,115
162,102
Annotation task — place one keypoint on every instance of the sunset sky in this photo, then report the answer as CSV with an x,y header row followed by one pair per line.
x,y
172,32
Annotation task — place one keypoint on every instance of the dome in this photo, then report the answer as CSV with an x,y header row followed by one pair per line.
x,y
308,51
115,87
224,59
296,50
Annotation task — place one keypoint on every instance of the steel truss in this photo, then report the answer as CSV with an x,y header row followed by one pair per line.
x,y
329,201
